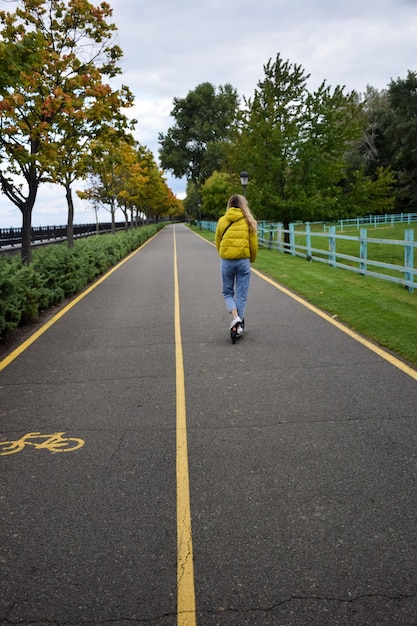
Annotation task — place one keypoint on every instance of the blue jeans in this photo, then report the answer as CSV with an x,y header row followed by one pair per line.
x,y
235,279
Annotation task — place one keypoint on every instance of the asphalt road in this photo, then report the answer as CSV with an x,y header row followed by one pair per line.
x,y
301,460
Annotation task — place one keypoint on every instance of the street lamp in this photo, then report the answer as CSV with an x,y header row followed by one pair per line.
x,y
244,177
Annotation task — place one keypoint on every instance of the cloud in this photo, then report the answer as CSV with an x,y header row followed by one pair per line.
x,y
170,48
153,115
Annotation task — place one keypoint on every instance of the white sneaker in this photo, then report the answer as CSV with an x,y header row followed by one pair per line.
x,y
235,321
239,330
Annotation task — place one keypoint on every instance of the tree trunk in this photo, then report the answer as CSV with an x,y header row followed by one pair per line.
x,y
126,216
25,205
70,221
26,234
113,217
286,224
27,209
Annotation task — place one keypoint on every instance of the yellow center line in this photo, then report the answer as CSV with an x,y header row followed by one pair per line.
x,y
186,608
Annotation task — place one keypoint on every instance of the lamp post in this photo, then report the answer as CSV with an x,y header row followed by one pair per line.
x,y
244,177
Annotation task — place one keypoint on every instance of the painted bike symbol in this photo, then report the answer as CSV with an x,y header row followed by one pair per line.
x,y
54,443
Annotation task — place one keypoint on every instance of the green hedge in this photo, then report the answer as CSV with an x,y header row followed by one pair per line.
x,y
57,272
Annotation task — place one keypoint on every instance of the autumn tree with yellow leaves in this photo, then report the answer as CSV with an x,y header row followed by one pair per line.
x,y
55,59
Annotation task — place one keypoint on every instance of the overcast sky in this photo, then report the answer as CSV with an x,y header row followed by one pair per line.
x,y
171,46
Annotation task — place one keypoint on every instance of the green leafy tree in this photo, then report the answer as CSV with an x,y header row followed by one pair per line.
x,y
193,147
387,148
293,143
56,104
401,134
372,151
192,201
215,193
18,56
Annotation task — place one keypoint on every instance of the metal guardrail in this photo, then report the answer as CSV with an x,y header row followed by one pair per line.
x,y
11,238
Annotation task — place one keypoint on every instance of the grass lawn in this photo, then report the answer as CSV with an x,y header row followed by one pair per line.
x,y
384,312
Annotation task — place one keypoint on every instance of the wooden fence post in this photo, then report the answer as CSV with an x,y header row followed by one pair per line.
x,y
261,228
280,238
271,233
409,256
363,252
309,255
292,239
332,246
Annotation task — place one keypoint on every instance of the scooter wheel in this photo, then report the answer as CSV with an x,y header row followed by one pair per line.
x,y
233,334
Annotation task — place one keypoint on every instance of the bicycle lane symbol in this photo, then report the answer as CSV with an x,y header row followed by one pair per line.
x,y
55,442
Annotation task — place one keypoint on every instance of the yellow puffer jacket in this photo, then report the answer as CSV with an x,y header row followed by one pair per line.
x,y
237,242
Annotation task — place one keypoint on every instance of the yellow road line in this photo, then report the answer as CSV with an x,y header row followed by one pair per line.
x,y
13,355
354,335
186,608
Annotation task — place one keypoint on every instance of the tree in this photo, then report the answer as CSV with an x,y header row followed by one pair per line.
x,y
193,146
389,139
155,199
110,170
371,149
76,137
401,133
215,193
192,201
59,101
370,194
124,174
293,143
134,176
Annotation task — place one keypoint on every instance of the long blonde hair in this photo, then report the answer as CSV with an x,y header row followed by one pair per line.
x,y
240,202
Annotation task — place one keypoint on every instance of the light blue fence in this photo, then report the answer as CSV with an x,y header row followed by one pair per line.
x,y
373,221
297,241
206,225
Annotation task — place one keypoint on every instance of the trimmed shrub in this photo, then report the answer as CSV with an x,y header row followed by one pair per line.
x,y
58,272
